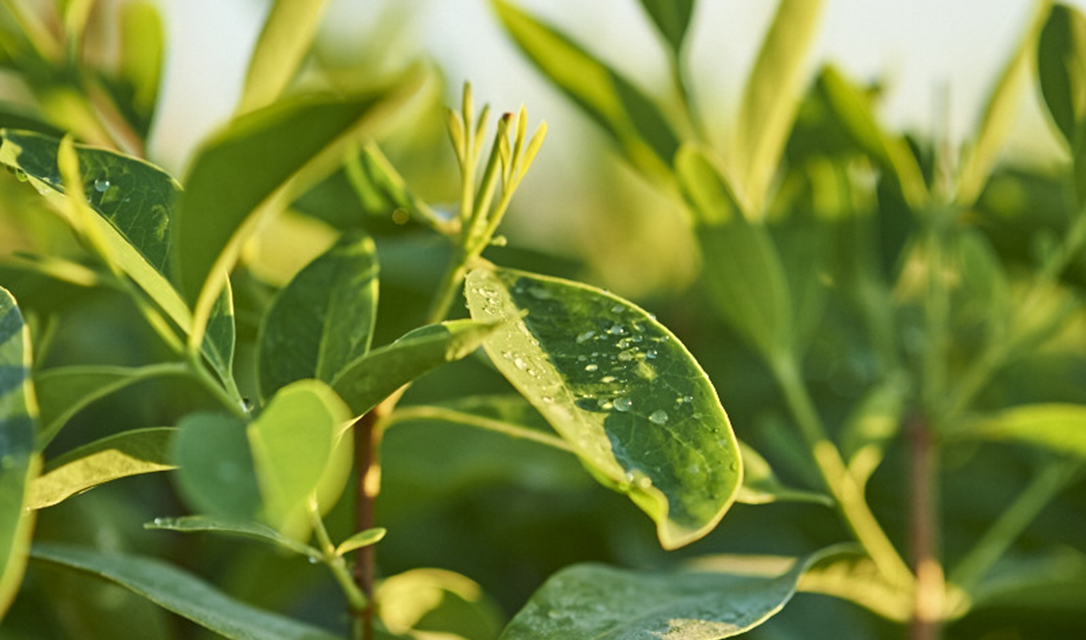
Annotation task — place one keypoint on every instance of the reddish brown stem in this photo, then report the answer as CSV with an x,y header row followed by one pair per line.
x,y
924,533
367,437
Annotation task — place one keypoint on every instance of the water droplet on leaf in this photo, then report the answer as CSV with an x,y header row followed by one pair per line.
x,y
101,185
591,367
658,417
623,404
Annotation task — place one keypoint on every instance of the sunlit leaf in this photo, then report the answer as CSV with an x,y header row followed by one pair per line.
x,y
181,593
293,443
434,603
361,539
370,379
622,391
216,474
761,485
672,19
705,602
118,456
770,98
245,529
874,422
636,124
142,52
19,463
1057,427
323,319
280,50
855,577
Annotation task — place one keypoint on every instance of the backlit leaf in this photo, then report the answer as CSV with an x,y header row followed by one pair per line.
x,y
622,391
1057,427
438,604
761,485
142,53
855,577
361,539
280,50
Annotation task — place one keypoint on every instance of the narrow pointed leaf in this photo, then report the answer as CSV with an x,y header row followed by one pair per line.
x,y
361,539
293,443
761,485
215,466
280,50
590,601
633,120
64,391
672,19
1061,64
620,389
245,529
372,378
1057,427
182,593
118,456
19,463
220,335
874,422
742,267
323,320
142,53
770,99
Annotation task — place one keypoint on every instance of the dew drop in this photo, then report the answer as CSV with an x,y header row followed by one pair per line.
x,y
586,336
21,176
101,185
617,330
617,309
312,560
607,379
627,355
651,354
158,521
658,417
540,293
623,404
520,363
548,399
605,404
591,367
507,355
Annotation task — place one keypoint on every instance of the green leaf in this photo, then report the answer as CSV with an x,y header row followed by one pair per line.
x,y
761,485
672,19
252,530
1061,66
856,578
361,539
620,389
293,443
999,113
219,338
19,463
434,603
181,593
118,456
245,169
1057,427
216,474
873,424
280,50
742,267
142,51
64,391
592,601
323,319
1054,581
633,120
372,378
770,99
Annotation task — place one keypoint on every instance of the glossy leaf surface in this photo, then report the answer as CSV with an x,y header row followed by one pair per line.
x,y
181,593
622,391
118,456
216,474
323,319
246,529
361,539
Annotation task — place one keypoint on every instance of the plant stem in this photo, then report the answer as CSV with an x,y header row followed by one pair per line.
x,y
1051,479
356,599
928,599
844,488
366,442
488,424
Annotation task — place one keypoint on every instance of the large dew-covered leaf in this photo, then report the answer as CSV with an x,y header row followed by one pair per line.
x,y
182,593
591,602
323,319
18,461
625,394
634,121
118,456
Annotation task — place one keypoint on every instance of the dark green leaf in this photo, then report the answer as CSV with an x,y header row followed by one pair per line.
x,y
672,19
19,463
622,391
216,473
1061,64
218,345
587,602
1054,581
636,124
182,593
372,378
118,456
323,319
253,530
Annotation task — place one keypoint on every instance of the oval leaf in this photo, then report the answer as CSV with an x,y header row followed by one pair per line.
x,y
182,593
117,456
361,539
216,474
323,319
621,390
413,603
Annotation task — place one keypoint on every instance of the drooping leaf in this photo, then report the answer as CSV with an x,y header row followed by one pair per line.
x,y
361,539
181,593
323,319
293,443
633,120
142,52
672,19
999,113
215,466
370,379
245,529
1057,427
742,267
246,167
63,391
770,98
592,601
622,391
1061,66
280,50
761,485
19,463
434,603
118,456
